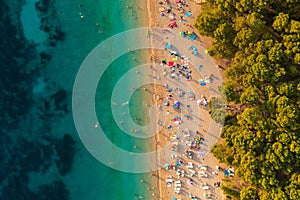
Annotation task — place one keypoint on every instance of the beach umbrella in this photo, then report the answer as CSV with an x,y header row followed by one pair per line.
x,y
193,36
190,182
177,103
226,173
176,118
192,48
202,83
171,63
200,68
174,53
188,14
200,154
171,16
168,46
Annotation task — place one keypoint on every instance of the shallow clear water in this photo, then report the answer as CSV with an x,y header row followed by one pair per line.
x,y
31,24
126,184
42,159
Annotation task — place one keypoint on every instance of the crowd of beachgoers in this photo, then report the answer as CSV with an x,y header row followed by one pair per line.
x,y
188,171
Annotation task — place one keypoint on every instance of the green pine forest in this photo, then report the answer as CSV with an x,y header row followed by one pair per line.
x,y
261,133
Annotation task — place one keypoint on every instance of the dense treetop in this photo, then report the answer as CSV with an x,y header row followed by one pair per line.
x,y
262,128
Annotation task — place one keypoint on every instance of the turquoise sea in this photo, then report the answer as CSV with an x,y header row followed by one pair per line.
x,y
41,155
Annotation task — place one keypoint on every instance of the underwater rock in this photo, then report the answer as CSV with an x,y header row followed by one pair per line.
x,y
50,22
59,99
65,149
55,190
16,188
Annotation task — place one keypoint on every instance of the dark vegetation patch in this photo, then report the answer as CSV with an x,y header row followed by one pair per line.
x,y
50,22
65,149
261,131
22,149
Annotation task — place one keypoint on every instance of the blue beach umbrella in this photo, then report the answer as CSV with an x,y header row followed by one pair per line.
x,y
168,46
226,173
200,68
188,14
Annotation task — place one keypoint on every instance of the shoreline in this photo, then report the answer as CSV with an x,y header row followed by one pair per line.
x,y
151,6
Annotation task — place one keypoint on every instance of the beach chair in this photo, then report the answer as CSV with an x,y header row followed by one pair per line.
x,y
182,173
207,79
202,174
204,186
169,180
188,143
186,133
189,165
192,171
177,191
172,156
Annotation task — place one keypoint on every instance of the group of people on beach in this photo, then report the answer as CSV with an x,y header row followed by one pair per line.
x,y
186,145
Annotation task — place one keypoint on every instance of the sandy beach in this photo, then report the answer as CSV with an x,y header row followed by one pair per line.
x,y
209,130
